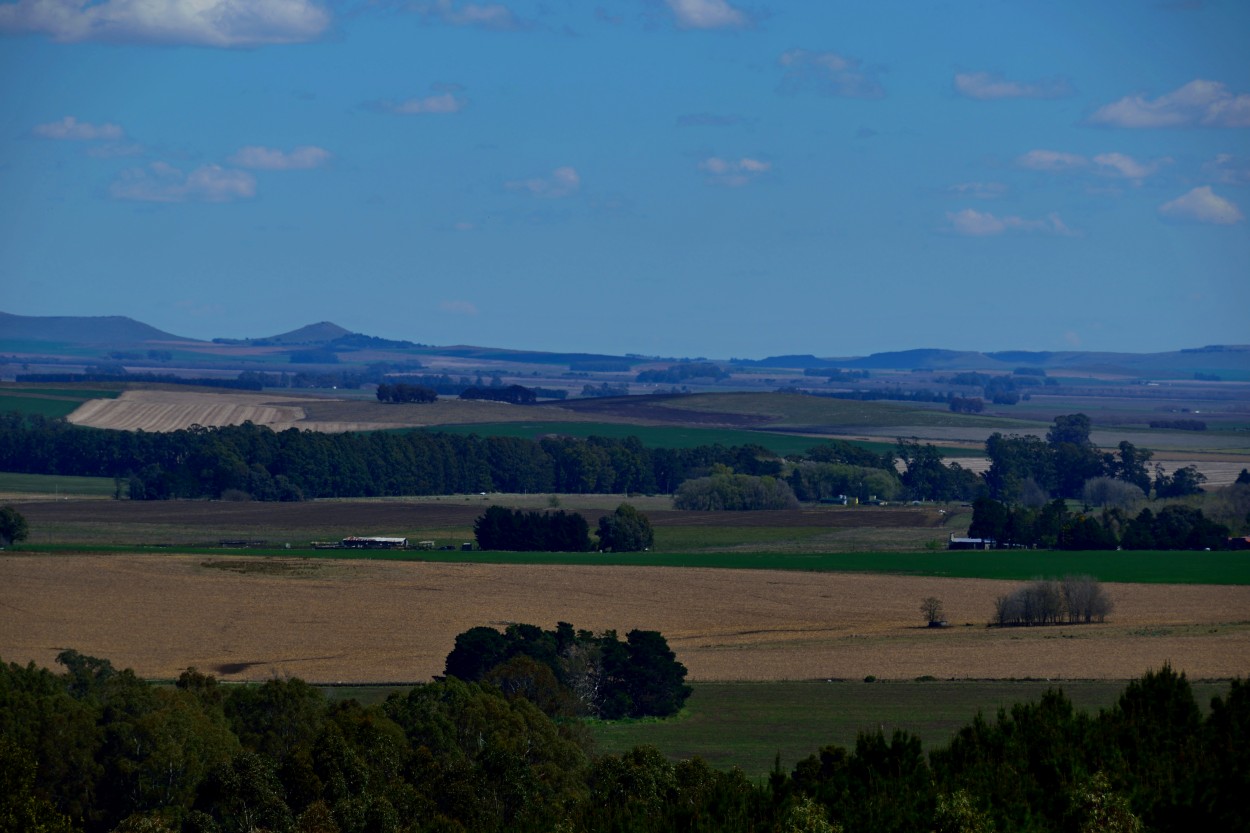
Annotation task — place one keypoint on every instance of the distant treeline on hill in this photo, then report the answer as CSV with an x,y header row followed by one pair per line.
x,y
157,378
294,465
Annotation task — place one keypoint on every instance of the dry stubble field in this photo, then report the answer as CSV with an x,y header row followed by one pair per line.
x,y
369,621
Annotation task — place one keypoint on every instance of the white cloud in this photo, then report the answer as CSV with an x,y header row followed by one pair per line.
x,y
268,159
986,86
1050,160
979,190
439,103
72,129
1202,205
1206,103
828,73
459,307
482,15
706,14
161,182
1108,164
1228,169
733,173
1118,164
563,182
217,23
972,223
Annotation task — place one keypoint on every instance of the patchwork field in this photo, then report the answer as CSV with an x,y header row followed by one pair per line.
x,y
376,621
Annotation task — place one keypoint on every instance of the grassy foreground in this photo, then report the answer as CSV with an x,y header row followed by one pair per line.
x,y
748,725
1138,567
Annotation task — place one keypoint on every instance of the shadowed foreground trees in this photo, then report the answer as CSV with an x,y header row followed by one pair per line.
x,y
98,750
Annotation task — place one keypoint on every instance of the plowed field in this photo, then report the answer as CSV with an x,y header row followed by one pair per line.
x,y
247,618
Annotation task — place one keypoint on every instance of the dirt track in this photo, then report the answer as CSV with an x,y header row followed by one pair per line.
x,y
244,618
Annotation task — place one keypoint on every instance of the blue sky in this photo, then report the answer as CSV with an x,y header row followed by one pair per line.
x,y
666,177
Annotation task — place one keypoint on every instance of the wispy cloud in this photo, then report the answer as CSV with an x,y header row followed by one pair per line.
x,y
480,15
988,86
162,182
733,173
563,182
828,73
972,223
1108,164
269,159
978,190
458,307
709,120
1228,169
215,23
707,14
1204,103
439,103
1202,205
71,129
1050,160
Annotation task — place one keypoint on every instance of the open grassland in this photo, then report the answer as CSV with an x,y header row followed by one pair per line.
x,y
26,485
52,402
379,621
667,436
748,725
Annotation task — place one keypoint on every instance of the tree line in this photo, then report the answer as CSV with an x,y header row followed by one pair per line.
x,y
293,465
575,673
1026,471
1054,526
96,749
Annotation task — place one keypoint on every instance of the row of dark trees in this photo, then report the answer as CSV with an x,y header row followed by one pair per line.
x,y
401,392
516,530
95,749
292,465
1053,526
569,673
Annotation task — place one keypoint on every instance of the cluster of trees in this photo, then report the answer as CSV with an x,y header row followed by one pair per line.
x,y
1053,526
683,372
1026,467
500,528
402,392
512,394
625,530
967,405
95,749
1075,599
13,527
724,490
1179,424
604,390
569,673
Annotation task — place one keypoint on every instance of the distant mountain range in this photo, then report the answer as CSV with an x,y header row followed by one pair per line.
x,y
20,333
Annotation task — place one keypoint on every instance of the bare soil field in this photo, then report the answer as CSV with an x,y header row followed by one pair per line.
x,y
172,410
366,621
185,522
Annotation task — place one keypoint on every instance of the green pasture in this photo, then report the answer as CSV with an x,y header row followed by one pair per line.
x,y
748,725
55,484
49,402
654,436
1140,567
797,411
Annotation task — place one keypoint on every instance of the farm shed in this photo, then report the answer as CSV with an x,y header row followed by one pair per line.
x,y
970,543
356,542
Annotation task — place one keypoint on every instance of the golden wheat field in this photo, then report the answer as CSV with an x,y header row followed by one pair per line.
x,y
368,621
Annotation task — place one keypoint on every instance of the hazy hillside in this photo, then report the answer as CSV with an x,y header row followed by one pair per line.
x,y
107,329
